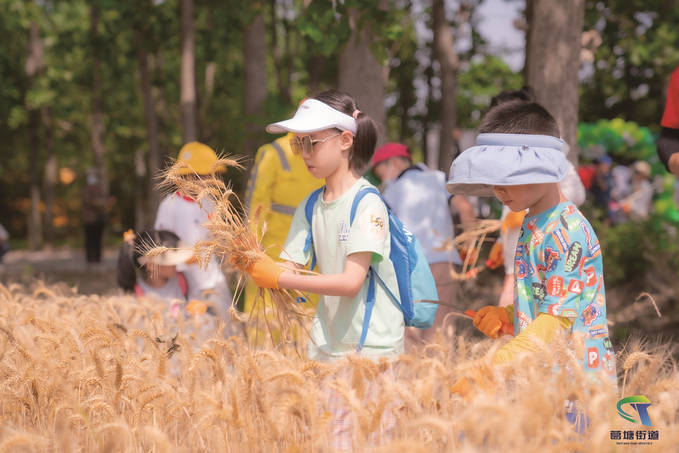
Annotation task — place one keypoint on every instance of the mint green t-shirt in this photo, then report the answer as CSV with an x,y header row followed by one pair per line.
x,y
338,322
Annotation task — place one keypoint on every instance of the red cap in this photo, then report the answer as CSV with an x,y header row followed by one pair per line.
x,y
389,150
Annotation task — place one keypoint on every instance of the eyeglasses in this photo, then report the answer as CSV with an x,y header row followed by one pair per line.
x,y
306,143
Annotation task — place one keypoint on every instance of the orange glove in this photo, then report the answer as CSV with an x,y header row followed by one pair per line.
x,y
478,379
196,307
495,258
493,320
265,272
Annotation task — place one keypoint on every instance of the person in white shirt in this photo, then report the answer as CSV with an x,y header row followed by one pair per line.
x,y
185,217
419,198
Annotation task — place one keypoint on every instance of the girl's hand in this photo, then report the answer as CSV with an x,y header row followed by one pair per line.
x,y
265,272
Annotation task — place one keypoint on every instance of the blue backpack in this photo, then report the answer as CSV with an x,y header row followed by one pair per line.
x,y
416,286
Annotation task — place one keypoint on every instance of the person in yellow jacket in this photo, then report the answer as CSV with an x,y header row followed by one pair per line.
x,y
279,181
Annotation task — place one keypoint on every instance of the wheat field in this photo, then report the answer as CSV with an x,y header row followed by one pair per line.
x,y
105,374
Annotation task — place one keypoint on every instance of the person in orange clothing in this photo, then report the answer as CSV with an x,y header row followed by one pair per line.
x,y
279,181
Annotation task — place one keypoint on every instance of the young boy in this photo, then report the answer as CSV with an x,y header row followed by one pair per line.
x,y
558,265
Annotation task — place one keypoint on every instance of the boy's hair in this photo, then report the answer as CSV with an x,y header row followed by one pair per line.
x,y
519,117
366,133
524,94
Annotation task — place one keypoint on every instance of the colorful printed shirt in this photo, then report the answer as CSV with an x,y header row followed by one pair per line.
x,y
559,271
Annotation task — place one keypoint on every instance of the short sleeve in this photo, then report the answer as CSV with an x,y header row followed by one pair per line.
x,y
563,255
297,236
369,231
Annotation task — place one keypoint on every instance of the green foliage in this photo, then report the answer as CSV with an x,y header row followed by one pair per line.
x,y
632,250
482,79
625,141
639,48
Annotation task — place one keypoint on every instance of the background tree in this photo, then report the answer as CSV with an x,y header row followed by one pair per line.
x,y
553,60
446,55
630,50
255,80
361,73
34,66
188,74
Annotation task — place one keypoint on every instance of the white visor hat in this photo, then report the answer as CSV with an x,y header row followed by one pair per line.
x,y
507,160
169,257
314,115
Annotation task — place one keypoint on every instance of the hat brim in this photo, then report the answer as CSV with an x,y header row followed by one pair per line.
x,y
297,127
190,171
170,257
473,190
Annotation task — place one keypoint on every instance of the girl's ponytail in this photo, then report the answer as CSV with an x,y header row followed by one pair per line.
x,y
366,132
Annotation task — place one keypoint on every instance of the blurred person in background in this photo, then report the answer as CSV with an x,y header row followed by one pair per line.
x,y
637,205
184,216
4,242
95,206
668,141
279,181
419,198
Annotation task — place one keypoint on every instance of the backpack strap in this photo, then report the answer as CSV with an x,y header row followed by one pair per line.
x,y
369,304
309,213
183,285
372,274
362,192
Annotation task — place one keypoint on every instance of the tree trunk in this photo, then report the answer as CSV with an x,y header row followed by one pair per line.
x,y
50,175
141,219
188,74
34,65
444,50
97,128
362,76
154,155
254,50
553,45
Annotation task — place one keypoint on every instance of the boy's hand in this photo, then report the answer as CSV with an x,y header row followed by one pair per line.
x,y
495,258
491,319
265,272
478,379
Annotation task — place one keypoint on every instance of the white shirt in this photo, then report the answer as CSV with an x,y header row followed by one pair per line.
x,y
185,218
419,199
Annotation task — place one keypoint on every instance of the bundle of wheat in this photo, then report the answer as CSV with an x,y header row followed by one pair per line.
x,y
471,241
237,245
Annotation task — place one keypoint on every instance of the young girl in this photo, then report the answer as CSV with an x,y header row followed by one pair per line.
x,y
336,141
159,276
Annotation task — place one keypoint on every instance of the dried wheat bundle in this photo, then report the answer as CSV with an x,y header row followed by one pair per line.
x,y
236,244
472,239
